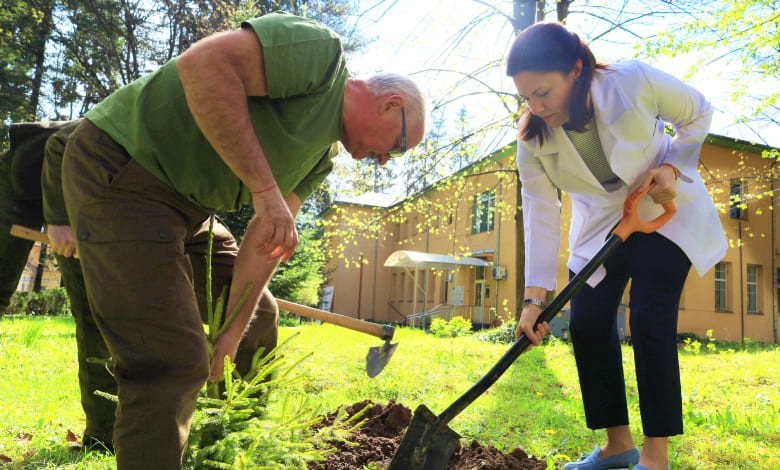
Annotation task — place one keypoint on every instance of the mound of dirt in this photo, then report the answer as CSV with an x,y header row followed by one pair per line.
x,y
381,434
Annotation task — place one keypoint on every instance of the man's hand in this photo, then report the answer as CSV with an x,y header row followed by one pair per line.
x,y
275,225
62,241
225,345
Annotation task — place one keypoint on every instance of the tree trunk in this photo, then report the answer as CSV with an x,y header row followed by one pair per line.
x,y
562,8
526,13
39,49
40,268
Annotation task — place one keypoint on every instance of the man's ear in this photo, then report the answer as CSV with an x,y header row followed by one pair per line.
x,y
391,102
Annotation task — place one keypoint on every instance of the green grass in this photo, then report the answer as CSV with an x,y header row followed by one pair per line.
x,y
731,395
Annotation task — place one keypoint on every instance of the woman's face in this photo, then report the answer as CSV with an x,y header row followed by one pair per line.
x,y
547,93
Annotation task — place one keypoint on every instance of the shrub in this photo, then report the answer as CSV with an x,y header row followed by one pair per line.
x,y
18,303
288,320
56,301
49,302
457,326
503,334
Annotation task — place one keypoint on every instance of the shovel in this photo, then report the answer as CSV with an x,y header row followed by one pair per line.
x,y
429,442
377,356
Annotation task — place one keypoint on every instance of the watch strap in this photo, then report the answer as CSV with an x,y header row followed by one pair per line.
x,y
536,302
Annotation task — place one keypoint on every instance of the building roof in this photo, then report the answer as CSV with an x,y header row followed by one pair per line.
x,y
419,260
370,199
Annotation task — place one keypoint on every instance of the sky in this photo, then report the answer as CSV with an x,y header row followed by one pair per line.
x,y
415,37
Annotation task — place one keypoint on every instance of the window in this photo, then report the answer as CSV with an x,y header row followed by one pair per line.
x,y
483,212
752,291
737,201
777,288
721,272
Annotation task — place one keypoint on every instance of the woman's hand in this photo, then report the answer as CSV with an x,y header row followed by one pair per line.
x,y
665,178
527,325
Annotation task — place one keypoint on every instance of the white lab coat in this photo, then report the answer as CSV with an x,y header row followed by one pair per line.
x,y
631,101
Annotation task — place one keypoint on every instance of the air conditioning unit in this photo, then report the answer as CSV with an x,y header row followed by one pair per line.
x,y
499,272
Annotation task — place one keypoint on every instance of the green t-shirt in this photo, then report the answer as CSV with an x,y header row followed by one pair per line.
x,y
298,123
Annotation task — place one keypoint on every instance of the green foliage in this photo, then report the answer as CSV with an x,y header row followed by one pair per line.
x,y
50,302
237,431
692,344
740,35
233,430
455,327
299,279
503,334
730,401
289,321
22,25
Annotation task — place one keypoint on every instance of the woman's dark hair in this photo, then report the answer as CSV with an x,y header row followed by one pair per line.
x,y
550,47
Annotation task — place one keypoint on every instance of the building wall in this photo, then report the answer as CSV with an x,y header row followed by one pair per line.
x,y
424,224
51,275
750,245
438,221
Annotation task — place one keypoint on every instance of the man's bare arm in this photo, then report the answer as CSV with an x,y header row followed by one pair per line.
x,y
248,268
218,74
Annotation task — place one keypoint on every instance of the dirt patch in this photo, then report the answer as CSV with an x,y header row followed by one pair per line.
x,y
379,438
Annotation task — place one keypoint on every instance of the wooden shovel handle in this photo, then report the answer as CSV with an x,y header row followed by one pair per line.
x,y
29,234
375,329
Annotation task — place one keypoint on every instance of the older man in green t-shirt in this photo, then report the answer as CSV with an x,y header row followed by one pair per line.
x,y
250,116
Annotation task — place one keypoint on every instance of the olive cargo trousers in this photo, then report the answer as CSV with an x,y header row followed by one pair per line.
x,y
27,211
142,249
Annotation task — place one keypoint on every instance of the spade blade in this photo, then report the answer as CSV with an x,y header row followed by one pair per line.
x,y
377,358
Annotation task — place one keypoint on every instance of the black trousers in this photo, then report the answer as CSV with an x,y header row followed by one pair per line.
x,y
657,269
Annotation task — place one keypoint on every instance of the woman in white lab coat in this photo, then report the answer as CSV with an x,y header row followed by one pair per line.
x,y
596,131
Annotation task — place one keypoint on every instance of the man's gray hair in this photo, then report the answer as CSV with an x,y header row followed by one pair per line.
x,y
391,83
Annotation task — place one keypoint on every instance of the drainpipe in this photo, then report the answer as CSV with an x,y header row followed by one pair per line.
x,y
376,267
427,248
360,287
498,248
741,288
774,251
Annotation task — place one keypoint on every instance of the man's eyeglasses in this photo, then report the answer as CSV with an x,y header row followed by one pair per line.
x,y
397,152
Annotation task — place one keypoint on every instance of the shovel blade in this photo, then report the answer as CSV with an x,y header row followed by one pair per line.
x,y
427,445
377,358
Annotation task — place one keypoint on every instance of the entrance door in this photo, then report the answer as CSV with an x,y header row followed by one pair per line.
x,y
478,315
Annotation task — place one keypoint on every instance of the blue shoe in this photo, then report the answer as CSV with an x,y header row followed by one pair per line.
x,y
593,462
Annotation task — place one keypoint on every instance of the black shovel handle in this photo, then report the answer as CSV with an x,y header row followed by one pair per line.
x,y
629,224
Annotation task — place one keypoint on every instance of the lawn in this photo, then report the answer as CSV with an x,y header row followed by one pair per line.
x,y
731,394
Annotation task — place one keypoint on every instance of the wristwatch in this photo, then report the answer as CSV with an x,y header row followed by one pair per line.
x,y
536,302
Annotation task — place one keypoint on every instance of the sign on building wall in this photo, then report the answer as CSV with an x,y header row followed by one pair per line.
x,y
327,298
457,295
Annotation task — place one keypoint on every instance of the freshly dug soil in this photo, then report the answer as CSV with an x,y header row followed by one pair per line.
x,y
381,434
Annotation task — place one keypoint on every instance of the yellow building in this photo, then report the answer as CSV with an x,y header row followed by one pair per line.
x,y
456,249
50,277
